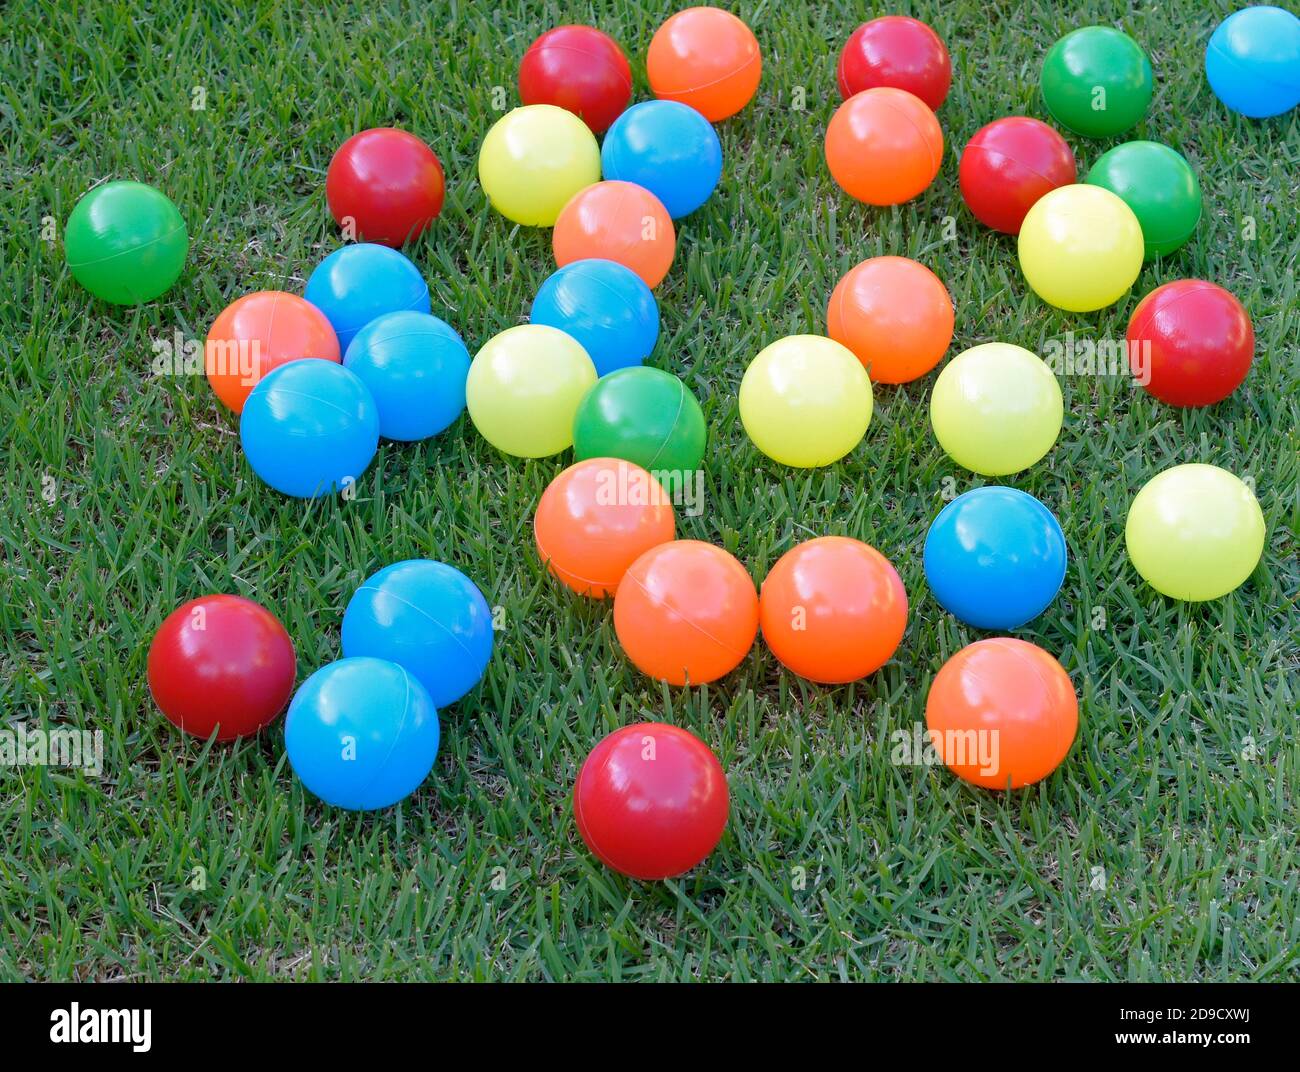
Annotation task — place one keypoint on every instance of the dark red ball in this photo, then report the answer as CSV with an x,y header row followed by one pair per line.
x,y
1192,341
389,182
651,801
221,662
578,68
896,51
1008,165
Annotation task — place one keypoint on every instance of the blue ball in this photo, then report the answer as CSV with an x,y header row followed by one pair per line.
x,y
995,558
309,428
356,284
361,734
1253,61
427,616
416,367
667,147
605,306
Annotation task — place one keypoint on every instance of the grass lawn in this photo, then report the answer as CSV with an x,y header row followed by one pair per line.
x,y
1165,847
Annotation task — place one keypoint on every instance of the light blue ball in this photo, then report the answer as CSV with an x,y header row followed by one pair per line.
x,y
427,616
309,428
358,283
415,366
667,147
605,306
1253,61
995,558
362,734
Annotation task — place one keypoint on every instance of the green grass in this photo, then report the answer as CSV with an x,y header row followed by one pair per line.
x,y
836,863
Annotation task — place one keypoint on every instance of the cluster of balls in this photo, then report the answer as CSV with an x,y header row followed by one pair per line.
x,y
317,380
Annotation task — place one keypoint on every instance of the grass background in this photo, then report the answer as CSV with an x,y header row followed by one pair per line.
x,y
836,863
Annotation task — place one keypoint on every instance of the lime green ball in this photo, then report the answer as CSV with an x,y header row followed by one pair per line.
x,y
996,409
1195,532
1159,186
643,415
125,243
1096,81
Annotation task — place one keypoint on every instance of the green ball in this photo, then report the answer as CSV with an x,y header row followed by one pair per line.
x,y
643,415
1097,81
125,243
1158,185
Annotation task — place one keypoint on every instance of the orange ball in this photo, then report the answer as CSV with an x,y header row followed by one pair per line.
x,y
1002,713
596,518
884,146
833,609
707,58
686,612
260,332
617,221
894,314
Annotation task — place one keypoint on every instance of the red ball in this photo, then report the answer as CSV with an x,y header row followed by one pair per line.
x,y
651,801
899,52
1190,343
221,662
580,69
389,182
1008,165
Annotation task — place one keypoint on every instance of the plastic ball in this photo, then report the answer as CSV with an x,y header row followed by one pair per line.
x,y
670,149
580,69
833,610
533,160
1002,713
1081,248
805,401
996,409
1096,81
415,367
388,183
617,221
362,734
1008,165
895,316
647,416
598,517
1195,532
360,283
995,558
899,52
686,613
427,617
260,332
707,58
309,428
884,146
1159,186
606,306
1190,343
651,801
125,243
1253,61
221,663
524,387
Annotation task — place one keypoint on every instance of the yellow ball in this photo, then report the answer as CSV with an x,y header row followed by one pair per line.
x,y
1081,248
1195,532
524,387
534,160
996,409
805,401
